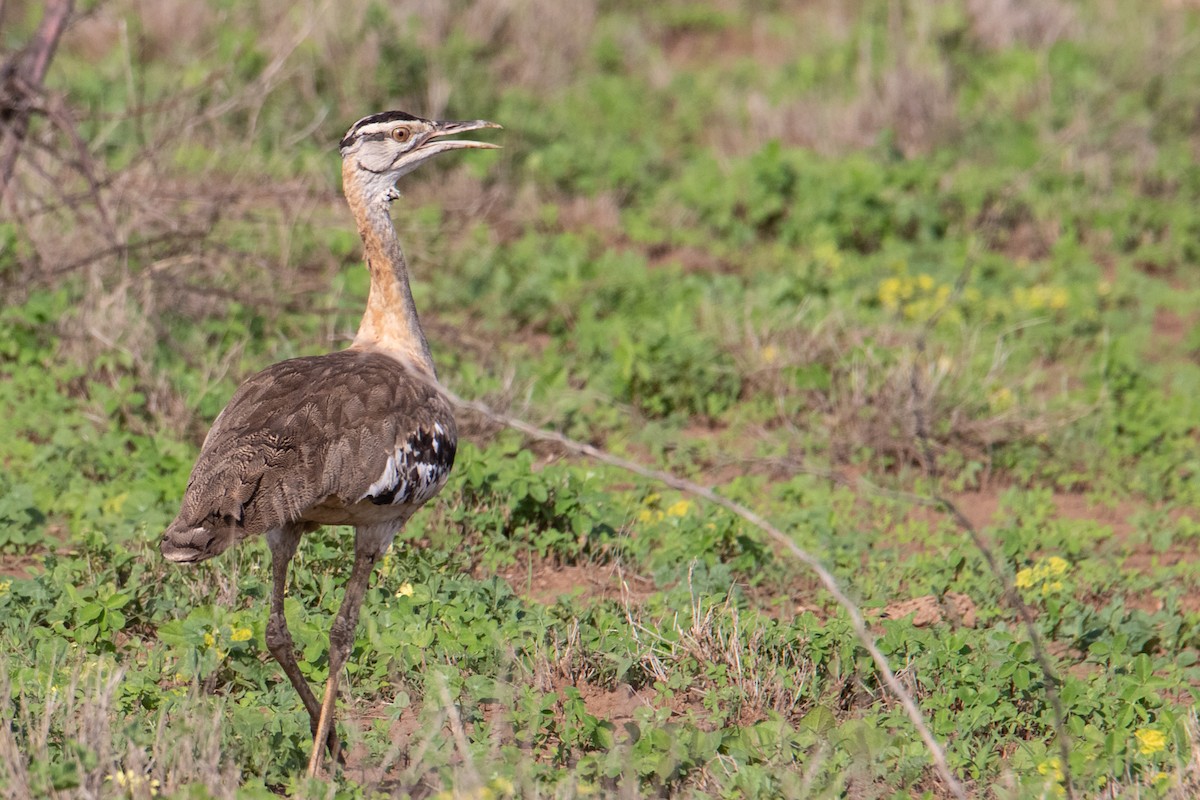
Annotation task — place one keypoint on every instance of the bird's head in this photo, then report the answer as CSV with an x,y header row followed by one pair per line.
x,y
380,149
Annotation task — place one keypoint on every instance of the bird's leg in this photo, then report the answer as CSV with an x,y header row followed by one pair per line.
x,y
341,637
283,542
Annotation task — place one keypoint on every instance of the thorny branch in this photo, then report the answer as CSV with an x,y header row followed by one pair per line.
x,y
21,85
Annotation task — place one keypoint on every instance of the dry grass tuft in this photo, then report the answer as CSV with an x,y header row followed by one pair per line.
x,y
1003,24
907,96
824,125
145,248
768,681
81,717
916,104
874,386
535,44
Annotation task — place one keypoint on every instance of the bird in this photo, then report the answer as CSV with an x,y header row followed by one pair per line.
x,y
360,437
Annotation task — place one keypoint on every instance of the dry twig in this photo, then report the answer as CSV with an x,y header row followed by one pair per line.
x,y
936,752
929,457
21,84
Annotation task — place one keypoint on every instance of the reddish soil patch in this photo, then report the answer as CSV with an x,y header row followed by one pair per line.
x,y
1029,240
690,259
1101,244
406,735
1163,271
981,508
1117,516
786,603
1070,660
19,566
1170,331
544,582
1145,558
1190,602
618,705
615,705
955,607
725,46
1144,602
978,507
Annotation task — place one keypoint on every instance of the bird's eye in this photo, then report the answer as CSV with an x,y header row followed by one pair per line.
x,y
401,135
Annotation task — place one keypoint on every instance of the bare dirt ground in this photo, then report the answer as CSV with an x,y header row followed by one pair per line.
x,y
544,582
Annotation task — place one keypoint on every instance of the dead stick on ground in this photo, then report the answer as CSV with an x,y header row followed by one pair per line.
x,y
929,456
826,577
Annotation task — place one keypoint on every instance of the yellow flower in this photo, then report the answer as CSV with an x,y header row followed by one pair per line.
x,y
1162,780
1051,766
827,253
680,509
1041,296
503,785
209,640
769,354
240,635
1052,769
405,590
135,784
1044,574
1150,741
889,293
4,587
915,297
113,505
1025,579
649,515
1057,566
1001,399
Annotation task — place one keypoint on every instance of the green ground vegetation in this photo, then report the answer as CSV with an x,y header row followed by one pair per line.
x,y
828,258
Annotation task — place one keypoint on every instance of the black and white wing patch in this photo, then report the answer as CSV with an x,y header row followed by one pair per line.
x,y
416,471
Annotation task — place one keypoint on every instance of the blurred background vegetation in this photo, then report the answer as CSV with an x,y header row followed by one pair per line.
x,y
919,246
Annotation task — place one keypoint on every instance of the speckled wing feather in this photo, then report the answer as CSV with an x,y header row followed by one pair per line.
x,y
324,439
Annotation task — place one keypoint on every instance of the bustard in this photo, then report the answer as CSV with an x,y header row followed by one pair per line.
x,y
360,437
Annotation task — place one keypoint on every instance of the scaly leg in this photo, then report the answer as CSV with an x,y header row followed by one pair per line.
x,y
341,636
283,542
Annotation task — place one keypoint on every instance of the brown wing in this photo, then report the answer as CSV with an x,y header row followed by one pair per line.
x,y
331,431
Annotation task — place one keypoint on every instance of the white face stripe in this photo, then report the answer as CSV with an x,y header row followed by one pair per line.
x,y
374,127
376,131
380,128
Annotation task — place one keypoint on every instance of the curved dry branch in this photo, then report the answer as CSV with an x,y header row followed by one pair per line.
x,y
936,752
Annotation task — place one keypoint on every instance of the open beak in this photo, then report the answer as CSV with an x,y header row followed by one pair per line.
x,y
434,143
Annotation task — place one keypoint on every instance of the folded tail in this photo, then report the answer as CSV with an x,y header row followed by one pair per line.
x,y
185,542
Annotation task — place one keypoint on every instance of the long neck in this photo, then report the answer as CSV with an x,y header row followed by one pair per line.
x,y
390,322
